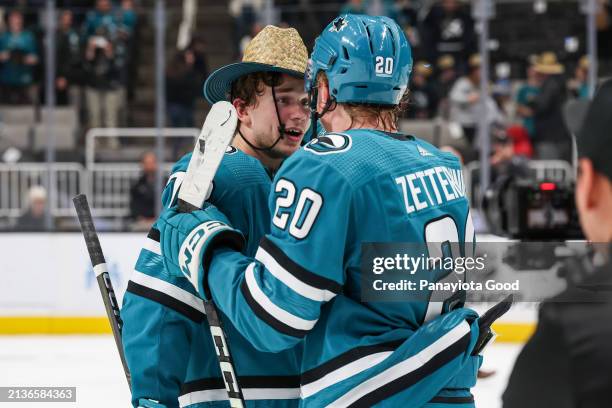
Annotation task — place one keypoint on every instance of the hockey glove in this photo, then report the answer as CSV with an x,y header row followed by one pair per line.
x,y
187,242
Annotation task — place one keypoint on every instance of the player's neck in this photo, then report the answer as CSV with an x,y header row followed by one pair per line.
x,y
270,163
338,120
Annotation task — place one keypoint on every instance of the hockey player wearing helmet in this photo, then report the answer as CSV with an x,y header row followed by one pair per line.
x,y
360,182
165,334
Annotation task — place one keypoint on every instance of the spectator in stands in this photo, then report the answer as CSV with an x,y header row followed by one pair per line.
x,y
381,8
354,7
142,193
244,41
68,70
465,104
504,159
245,14
18,56
34,217
524,100
197,47
502,95
127,17
423,96
407,17
444,83
103,90
180,90
521,142
551,138
102,19
126,47
579,84
449,29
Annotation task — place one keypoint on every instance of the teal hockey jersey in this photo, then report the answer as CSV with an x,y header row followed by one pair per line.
x,y
339,191
166,336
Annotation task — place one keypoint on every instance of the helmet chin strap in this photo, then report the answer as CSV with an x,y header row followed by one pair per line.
x,y
314,114
281,129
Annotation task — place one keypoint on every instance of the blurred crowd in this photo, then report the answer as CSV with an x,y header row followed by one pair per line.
x,y
529,111
94,44
97,61
446,77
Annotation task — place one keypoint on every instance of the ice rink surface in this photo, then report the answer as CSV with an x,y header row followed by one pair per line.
x,y
91,364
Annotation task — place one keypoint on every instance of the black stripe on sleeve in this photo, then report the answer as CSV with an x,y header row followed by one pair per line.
x,y
452,400
346,358
202,385
160,297
298,271
406,381
259,381
267,317
154,234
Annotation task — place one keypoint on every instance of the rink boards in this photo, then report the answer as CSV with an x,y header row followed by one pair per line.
x,y
48,285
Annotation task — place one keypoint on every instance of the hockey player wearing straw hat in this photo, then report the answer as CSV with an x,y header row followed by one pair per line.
x,y
168,349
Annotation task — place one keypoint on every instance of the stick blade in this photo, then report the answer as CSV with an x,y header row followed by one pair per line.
x,y
217,133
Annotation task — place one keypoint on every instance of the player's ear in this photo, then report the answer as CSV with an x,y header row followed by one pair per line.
x,y
242,111
322,95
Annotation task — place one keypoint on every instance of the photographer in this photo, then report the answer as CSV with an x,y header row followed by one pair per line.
x,y
567,361
104,63
103,81
18,55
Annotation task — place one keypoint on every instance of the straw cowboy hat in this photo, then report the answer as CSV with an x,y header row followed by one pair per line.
x,y
548,64
274,49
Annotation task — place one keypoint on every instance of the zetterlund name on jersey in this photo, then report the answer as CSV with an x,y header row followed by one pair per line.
x,y
431,187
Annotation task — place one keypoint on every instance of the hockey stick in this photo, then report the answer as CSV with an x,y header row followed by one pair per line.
x,y
104,282
217,133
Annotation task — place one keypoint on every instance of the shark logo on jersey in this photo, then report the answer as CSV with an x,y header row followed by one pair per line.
x,y
230,150
330,143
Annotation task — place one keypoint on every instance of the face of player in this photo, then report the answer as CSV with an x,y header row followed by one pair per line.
x,y
292,103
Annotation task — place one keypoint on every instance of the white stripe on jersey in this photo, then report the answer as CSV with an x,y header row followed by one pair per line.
x,y
152,245
264,301
344,372
404,367
270,393
251,394
197,397
169,289
301,288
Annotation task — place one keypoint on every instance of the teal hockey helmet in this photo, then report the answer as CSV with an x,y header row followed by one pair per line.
x,y
366,59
